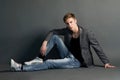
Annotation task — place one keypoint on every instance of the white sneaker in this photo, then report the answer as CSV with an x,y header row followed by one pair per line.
x,y
16,66
37,60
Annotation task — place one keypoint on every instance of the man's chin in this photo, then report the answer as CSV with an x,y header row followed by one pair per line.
x,y
71,29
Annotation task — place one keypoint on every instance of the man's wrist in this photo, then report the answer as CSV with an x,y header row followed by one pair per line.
x,y
44,42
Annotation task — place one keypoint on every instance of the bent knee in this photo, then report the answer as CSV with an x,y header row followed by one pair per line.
x,y
55,36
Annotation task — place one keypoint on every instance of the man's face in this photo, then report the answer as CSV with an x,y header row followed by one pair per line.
x,y
71,23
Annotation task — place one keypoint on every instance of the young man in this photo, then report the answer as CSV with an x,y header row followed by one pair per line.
x,y
74,51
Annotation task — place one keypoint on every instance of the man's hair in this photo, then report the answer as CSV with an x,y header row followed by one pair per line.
x,y
68,15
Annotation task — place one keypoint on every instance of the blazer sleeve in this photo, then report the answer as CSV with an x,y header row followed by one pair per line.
x,y
96,46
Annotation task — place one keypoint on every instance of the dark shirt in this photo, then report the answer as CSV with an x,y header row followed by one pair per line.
x,y
75,49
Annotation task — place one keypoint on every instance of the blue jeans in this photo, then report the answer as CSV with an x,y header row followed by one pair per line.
x,y
67,59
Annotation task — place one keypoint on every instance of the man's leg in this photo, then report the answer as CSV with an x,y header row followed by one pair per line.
x,y
54,64
60,46
67,61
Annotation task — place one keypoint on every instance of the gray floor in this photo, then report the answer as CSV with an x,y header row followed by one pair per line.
x,y
95,73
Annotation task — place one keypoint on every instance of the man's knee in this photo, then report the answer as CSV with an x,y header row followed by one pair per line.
x,y
55,36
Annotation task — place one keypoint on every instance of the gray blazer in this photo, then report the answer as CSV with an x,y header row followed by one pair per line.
x,y
87,40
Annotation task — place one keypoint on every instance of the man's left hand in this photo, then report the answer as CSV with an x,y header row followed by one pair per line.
x,y
109,66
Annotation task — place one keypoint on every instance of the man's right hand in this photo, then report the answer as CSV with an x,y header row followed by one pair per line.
x,y
43,48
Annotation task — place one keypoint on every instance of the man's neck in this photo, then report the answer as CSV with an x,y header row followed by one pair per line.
x,y
76,32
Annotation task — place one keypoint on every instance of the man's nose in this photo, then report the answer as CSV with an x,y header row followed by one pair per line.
x,y
69,24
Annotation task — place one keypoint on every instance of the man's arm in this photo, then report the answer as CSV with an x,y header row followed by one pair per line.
x,y
96,46
43,48
49,35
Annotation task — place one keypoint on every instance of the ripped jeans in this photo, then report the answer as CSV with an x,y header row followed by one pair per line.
x,y
67,59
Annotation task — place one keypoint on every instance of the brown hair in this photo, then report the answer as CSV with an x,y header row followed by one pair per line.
x,y
68,15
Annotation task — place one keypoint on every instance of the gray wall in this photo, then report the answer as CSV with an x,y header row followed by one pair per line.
x,y
24,24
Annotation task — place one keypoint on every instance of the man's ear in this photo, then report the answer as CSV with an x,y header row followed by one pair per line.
x,y
75,20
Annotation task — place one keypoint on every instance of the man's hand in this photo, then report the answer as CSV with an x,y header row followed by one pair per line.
x,y
109,66
43,48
